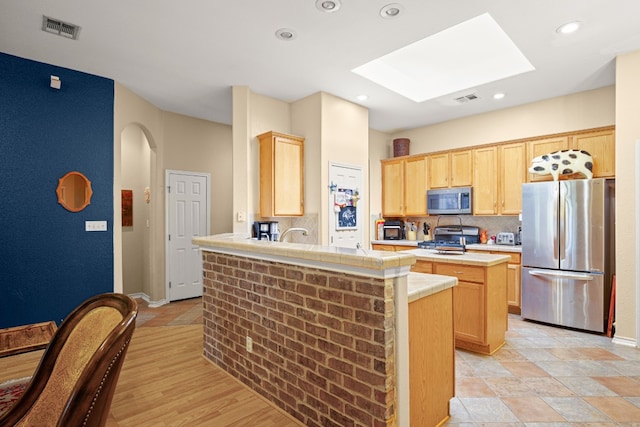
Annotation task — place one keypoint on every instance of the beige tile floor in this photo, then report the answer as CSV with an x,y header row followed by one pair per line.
x,y
548,376
543,377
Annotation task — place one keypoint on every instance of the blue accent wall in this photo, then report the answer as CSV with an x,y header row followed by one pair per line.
x,y
48,263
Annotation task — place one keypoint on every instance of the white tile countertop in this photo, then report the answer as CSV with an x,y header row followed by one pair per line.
x,y
468,258
421,285
364,262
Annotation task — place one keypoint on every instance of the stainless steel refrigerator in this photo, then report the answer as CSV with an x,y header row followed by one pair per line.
x,y
567,252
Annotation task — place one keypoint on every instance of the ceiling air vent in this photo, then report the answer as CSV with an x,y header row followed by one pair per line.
x,y
467,98
64,29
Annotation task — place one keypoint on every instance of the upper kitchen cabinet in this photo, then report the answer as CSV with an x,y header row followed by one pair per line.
x,y
450,169
512,174
404,186
485,177
601,144
538,147
281,175
498,174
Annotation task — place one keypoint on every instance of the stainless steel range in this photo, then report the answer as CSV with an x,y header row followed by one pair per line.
x,y
448,238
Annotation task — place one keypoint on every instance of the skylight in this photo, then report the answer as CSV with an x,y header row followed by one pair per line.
x,y
469,54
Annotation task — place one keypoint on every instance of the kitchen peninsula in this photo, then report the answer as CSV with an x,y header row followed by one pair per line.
x,y
323,331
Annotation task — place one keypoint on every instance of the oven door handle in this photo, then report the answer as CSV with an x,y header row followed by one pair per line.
x,y
562,275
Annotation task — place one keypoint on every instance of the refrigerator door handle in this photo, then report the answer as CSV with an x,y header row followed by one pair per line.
x,y
562,275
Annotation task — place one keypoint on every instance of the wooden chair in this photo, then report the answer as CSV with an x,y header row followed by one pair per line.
x,y
74,383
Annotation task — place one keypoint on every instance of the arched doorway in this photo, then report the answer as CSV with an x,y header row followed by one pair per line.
x,y
136,217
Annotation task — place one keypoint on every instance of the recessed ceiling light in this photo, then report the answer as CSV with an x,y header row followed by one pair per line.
x,y
362,97
391,10
498,95
328,5
285,34
569,28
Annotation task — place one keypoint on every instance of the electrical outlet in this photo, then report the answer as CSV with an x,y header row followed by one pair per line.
x,y
249,344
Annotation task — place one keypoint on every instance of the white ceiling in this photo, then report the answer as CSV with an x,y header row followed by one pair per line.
x,y
184,56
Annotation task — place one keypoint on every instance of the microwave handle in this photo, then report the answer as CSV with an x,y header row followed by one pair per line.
x,y
459,201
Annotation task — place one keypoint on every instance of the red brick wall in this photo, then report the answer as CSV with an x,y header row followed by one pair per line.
x,y
323,342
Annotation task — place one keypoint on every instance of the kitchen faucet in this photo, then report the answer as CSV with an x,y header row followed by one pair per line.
x,y
287,231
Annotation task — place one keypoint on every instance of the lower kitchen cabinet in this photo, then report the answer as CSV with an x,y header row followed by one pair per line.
x,y
514,279
422,267
479,305
431,358
391,248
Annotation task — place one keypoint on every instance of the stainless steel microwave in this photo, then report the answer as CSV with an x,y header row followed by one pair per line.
x,y
450,201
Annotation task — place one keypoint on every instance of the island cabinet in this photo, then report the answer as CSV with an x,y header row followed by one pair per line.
x,y
514,279
450,169
479,299
281,175
404,186
431,358
479,305
498,174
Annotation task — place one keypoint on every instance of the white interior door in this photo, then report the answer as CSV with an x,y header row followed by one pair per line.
x,y
346,225
187,217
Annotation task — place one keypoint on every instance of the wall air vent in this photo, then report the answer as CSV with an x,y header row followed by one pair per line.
x,y
466,98
64,29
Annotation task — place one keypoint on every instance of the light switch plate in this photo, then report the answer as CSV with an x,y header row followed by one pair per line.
x,y
95,226
242,216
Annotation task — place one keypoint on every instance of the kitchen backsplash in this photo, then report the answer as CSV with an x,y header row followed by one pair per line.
x,y
493,224
308,221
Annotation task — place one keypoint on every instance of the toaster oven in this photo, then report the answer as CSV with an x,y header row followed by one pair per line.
x,y
393,230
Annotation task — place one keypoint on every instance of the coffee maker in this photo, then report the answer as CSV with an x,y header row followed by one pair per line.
x,y
266,230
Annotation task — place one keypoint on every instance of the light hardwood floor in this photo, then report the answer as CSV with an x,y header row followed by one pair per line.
x,y
165,381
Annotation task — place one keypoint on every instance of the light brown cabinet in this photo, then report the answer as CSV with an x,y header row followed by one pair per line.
x,y
404,186
498,174
281,175
431,358
539,147
422,266
450,169
601,145
514,279
479,305
391,247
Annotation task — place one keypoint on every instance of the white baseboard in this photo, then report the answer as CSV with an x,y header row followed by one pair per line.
x,y
628,342
152,304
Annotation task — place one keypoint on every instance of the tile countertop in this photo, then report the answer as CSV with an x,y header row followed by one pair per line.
x,y
421,285
393,263
475,247
484,260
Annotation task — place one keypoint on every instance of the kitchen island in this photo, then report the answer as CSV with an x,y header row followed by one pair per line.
x,y
480,299
320,331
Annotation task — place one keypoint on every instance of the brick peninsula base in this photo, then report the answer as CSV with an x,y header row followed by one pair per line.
x,y
322,323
